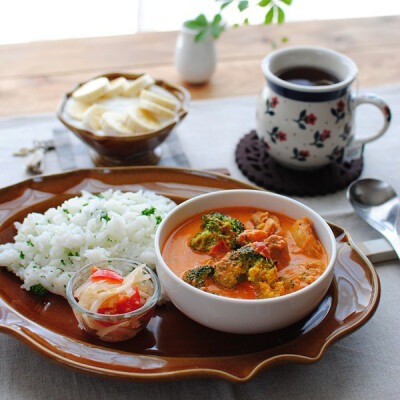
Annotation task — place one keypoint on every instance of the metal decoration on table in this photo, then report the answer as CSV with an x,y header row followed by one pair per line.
x,y
35,162
377,203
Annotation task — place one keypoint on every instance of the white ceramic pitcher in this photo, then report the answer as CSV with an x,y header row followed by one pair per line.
x,y
195,61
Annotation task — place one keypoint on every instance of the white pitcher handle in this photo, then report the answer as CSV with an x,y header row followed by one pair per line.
x,y
382,106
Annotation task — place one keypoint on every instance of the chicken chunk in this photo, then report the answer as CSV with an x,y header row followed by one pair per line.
x,y
304,236
276,245
251,235
279,251
266,222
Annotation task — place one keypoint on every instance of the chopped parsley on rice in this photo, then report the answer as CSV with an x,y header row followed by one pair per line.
x,y
50,247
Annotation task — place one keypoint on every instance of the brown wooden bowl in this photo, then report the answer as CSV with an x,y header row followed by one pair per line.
x,y
126,150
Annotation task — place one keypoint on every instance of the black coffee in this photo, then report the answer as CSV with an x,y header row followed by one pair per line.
x,y
307,76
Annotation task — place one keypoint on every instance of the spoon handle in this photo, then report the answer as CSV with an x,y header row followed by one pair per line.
x,y
378,250
394,239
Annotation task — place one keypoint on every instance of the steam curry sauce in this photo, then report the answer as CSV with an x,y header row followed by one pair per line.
x,y
307,259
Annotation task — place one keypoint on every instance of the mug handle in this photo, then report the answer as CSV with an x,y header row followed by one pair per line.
x,y
382,106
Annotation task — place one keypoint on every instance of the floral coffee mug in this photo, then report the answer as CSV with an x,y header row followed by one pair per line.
x,y
308,127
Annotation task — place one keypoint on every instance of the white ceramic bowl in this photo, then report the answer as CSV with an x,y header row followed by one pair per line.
x,y
240,315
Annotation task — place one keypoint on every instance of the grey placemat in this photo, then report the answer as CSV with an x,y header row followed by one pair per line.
x,y
73,154
70,153
364,365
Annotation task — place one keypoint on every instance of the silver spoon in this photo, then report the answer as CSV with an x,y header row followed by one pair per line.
x,y
378,204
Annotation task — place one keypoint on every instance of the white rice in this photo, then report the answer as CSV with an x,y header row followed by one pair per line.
x,y
50,247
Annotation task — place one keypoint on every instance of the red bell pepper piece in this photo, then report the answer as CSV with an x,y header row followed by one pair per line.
x,y
127,304
124,305
107,275
221,248
262,249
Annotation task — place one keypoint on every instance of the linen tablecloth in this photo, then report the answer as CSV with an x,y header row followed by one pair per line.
x,y
364,365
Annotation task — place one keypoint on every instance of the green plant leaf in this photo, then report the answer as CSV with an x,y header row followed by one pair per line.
x,y
264,3
226,4
202,19
217,19
216,30
192,24
243,4
281,15
269,16
246,21
201,35
199,22
216,27
288,2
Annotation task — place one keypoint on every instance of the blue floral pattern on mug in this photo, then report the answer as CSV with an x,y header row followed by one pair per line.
x,y
319,138
276,135
300,155
305,119
271,104
306,134
339,112
346,132
336,153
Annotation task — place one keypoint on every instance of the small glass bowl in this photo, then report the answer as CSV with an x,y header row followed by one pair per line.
x,y
115,327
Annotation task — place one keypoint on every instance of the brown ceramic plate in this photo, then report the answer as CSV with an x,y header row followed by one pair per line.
x,y
126,150
172,346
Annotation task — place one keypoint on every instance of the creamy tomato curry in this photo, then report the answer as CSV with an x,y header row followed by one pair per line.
x,y
246,253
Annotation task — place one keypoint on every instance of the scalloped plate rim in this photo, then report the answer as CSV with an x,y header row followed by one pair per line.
x,y
366,314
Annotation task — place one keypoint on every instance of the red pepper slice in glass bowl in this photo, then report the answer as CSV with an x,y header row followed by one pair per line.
x,y
113,299
106,274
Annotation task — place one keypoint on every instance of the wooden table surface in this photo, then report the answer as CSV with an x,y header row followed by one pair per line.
x,y
34,76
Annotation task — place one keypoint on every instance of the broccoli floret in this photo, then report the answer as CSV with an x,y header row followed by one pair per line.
x,y
216,219
38,290
287,282
216,226
247,254
197,276
251,258
234,267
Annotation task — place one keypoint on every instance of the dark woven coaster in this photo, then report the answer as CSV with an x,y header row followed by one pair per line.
x,y
255,163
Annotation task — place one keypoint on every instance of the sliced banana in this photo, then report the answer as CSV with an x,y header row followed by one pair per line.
x,y
113,122
160,112
116,87
133,88
165,101
141,121
76,109
91,90
92,116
